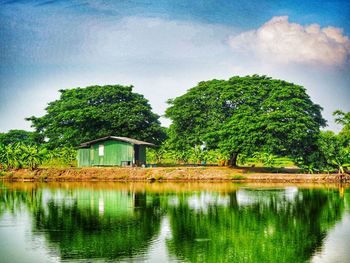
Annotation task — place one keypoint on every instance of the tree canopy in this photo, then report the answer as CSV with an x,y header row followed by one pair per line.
x,y
343,118
83,114
245,115
15,136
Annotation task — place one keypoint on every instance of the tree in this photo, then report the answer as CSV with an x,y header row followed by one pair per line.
x,y
246,115
333,149
343,119
15,136
84,114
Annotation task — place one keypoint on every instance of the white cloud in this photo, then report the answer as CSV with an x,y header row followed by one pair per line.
x,y
282,41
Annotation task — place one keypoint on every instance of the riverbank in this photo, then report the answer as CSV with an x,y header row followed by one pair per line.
x,y
200,173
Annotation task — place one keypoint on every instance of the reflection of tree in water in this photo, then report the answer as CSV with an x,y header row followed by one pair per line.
x,y
87,224
12,200
266,227
347,198
279,230
103,227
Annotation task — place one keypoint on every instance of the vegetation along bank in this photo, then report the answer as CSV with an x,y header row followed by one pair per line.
x,y
244,123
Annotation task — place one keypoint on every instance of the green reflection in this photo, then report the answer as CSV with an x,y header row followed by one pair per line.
x,y
12,200
247,225
271,228
108,224
87,224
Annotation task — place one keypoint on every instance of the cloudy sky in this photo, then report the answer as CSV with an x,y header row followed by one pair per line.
x,y
165,47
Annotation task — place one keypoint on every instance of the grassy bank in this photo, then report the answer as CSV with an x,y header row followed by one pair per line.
x,y
168,174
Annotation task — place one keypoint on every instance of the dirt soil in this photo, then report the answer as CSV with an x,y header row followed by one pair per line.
x,y
200,173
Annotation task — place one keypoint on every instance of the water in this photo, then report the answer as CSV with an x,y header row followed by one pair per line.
x,y
174,222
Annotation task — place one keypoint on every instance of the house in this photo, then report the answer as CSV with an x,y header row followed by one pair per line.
x,y
113,151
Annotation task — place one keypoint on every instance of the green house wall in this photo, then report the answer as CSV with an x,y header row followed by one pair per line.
x,y
84,157
115,154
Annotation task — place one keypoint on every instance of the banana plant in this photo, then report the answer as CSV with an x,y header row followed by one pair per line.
x,y
159,154
2,157
327,169
67,155
340,164
19,155
33,156
310,168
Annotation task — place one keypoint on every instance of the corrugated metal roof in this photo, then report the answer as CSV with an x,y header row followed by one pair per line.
x,y
116,138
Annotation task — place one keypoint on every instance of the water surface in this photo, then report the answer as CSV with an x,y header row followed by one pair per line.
x,y
174,222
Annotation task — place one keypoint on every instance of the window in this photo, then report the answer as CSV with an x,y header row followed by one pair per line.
x,y
101,150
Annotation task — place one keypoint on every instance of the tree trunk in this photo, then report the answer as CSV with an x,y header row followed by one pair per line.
x,y
233,199
233,160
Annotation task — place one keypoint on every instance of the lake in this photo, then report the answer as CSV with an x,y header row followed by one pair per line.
x,y
174,222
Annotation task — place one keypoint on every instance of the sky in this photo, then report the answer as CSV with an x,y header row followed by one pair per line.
x,y
163,48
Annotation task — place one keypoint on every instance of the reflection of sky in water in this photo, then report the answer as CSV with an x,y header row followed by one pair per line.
x,y
336,247
18,244
249,197
203,200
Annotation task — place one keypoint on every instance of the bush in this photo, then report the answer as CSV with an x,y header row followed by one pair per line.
x,y
19,155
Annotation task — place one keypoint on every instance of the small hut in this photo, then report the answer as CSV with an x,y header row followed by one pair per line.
x,y
113,151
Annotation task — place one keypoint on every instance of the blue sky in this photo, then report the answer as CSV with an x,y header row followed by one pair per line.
x,y
164,48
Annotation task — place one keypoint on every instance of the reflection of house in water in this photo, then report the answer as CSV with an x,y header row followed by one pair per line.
x,y
116,203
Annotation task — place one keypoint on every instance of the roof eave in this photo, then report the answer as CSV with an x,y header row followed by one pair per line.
x,y
115,138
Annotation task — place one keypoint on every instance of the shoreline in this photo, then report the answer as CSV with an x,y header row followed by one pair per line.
x,y
168,174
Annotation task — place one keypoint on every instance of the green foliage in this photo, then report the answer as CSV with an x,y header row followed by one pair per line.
x,y
246,115
242,159
238,177
66,155
16,136
309,168
340,164
84,114
343,119
268,159
19,155
155,155
332,153
195,155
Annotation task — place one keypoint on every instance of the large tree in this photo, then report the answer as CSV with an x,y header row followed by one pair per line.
x,y
244,115
84,114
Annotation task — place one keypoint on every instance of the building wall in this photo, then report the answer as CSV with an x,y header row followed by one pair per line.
x,y
115,152
83,157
